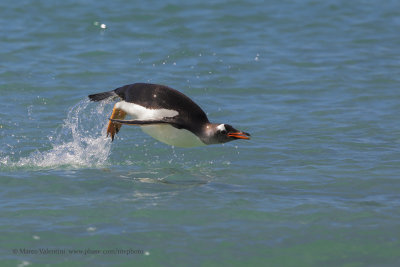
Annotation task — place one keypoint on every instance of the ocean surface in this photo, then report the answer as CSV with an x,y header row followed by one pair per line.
x,y
316,83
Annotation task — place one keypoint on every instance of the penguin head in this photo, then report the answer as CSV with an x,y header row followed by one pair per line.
x,y
222,133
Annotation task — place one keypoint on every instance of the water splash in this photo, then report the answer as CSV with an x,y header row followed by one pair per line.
x,y
80,142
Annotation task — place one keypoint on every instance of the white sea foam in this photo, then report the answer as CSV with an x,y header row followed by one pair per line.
x,y
80,142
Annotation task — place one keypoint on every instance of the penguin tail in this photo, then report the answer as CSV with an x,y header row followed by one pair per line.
x,y
102,96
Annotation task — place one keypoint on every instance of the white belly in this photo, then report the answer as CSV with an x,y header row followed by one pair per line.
x,y
162,132
172,136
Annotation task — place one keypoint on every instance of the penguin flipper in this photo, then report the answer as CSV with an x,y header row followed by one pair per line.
x,y
141,122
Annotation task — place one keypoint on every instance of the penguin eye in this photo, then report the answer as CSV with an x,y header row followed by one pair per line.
x,y
223,132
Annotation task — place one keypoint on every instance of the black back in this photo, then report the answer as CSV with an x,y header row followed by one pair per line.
x,y
155,96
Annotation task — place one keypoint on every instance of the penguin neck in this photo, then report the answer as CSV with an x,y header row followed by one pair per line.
x,y
207,133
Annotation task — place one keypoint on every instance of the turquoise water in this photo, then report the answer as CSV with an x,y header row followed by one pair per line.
x,y
316,83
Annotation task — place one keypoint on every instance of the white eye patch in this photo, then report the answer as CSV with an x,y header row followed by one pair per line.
x,y
221,127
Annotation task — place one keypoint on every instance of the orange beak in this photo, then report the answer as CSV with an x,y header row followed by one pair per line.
x,y
240,135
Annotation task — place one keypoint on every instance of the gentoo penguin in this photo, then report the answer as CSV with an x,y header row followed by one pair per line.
x,y
167,115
